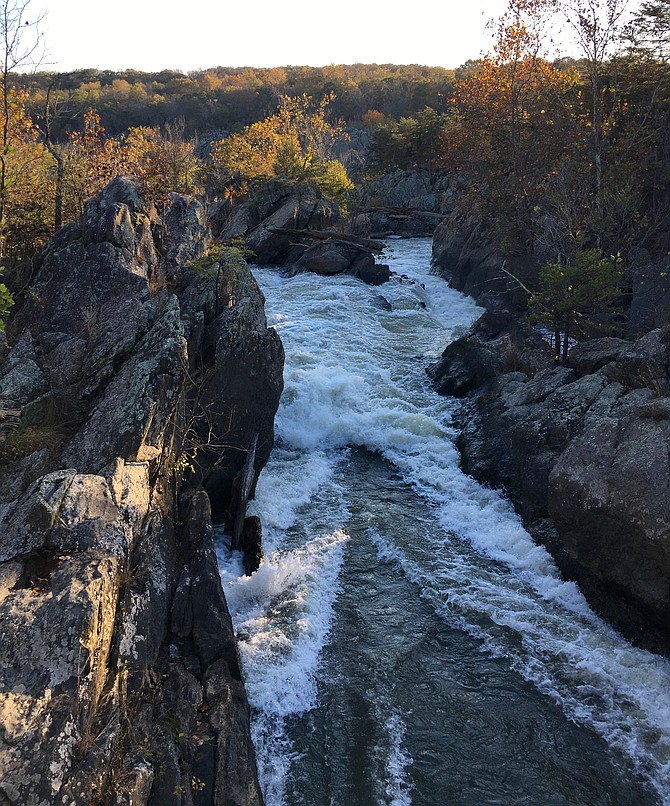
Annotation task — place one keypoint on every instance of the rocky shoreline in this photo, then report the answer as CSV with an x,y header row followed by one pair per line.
x,y
581,451
138,378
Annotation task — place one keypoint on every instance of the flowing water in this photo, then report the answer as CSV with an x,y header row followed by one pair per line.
x,y
405,642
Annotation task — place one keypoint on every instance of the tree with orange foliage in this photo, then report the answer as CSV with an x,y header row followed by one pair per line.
x,y
165,161
92,161
512,125
295,142
20,43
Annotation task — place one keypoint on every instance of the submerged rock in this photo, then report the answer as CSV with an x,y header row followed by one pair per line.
x,y
252,544
135,380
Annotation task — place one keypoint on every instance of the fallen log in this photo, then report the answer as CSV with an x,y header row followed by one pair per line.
x,y
404,212
352,241
245,482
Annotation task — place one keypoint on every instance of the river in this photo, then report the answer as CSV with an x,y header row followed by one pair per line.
x,y
405,642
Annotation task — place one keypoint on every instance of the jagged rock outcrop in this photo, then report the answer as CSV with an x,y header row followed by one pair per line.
x,y
581,450
291,225
133,383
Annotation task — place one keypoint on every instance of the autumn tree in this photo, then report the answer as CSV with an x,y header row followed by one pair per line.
x,y
57,106
20,42
296,143
28,206
166,161
92,161
512,126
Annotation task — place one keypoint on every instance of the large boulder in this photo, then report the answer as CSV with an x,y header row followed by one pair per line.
x,y
343,255
291,225
266,218
495,344
607,495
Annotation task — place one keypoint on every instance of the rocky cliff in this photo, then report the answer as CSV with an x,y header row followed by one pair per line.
x,y
467,253
582,452
407,203
136,384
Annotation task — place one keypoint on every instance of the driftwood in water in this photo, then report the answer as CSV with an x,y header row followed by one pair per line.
x,y
354,242
243,490
404,213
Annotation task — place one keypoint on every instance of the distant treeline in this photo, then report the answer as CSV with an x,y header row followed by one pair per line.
x,y
228,98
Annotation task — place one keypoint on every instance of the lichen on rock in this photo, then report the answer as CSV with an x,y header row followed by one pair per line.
x,y
107,533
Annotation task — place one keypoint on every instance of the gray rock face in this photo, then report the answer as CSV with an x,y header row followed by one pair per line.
x,y
582,453
404,203
114,623
266,240
608,497
466,254
275,206
418,190
649,279
294,226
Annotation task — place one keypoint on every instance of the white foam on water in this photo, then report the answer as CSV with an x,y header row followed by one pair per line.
x,y
282,615
283,612
290,480
398,785
355,376
596,677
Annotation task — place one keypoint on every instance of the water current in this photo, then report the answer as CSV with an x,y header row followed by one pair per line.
x,y
404,641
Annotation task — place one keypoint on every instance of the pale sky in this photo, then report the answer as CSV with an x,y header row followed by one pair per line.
x,y
151,35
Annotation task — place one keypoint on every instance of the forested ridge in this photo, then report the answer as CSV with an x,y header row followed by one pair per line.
x,y
228,98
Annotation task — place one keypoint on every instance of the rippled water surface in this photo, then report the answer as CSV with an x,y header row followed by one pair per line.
x,y
404,641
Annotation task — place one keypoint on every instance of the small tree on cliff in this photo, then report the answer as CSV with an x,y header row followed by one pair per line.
x,y
166,161
92,161
577,297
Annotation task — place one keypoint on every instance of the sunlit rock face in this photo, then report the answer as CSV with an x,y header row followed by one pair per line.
x,y
134,377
